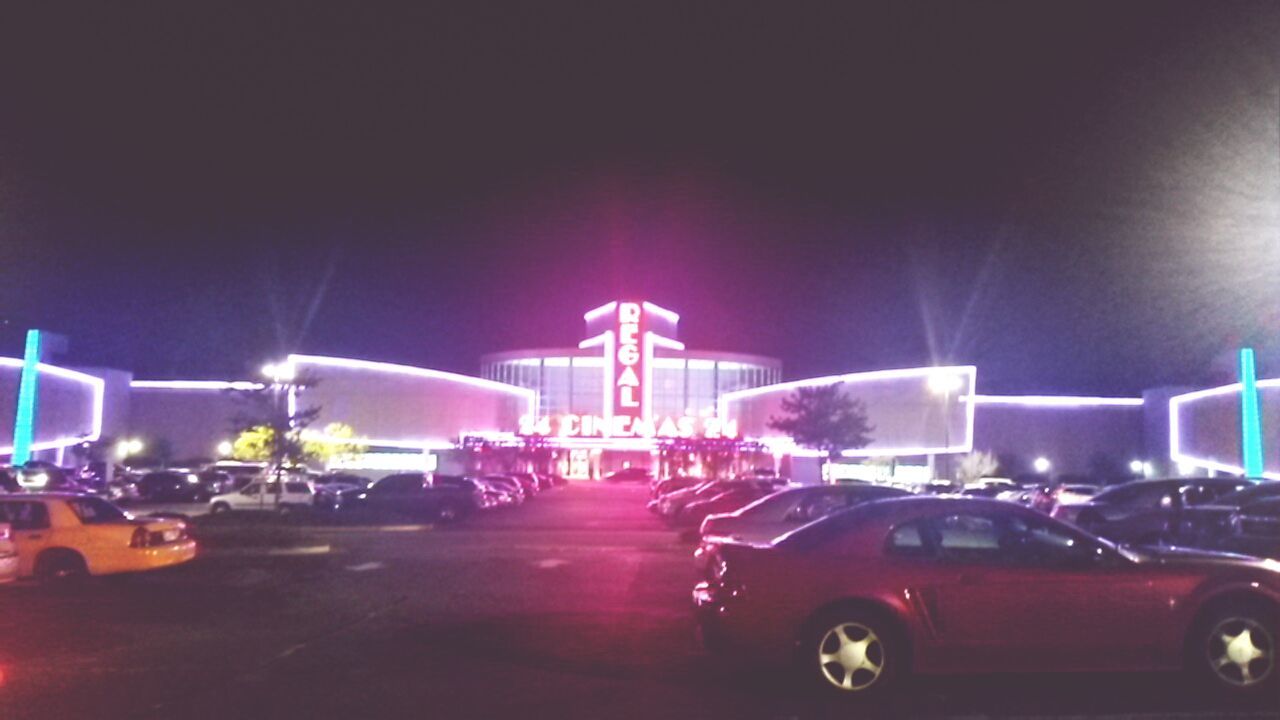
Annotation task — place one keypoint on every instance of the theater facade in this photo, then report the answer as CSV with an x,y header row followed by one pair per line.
x,y
630,393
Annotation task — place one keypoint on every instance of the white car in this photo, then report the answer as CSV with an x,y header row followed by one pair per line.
x,y
258,496
8,555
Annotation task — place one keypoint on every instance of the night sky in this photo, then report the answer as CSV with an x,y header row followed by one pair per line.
x,y
1076,197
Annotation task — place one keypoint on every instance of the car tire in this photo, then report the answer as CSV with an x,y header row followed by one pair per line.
x,y
448,513
1232,649
218,508
60,566
854,653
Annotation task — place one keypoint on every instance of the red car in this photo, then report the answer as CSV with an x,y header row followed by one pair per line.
x,y
943,585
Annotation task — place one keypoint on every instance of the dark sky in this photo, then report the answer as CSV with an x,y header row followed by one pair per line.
x,y
1076,197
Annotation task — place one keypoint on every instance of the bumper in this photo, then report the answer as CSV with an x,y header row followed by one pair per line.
x,y
8,568
150,558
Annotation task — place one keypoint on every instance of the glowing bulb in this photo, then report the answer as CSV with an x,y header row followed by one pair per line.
x,y
1041,465
225,448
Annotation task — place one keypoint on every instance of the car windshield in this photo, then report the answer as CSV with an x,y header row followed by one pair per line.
x,y
1247,495
95,511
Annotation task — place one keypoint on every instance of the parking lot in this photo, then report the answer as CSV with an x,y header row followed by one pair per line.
x,y
576,605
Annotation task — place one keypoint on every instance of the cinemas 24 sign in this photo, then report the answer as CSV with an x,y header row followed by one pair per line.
x,y
586,426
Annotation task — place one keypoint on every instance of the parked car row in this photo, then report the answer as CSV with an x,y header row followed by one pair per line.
x,y
427,497
687,501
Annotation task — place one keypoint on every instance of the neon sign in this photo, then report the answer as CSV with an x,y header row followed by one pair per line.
x,y
627,387
589,426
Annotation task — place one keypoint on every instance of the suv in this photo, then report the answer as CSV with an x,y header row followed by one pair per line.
x,y
1146,511
266,497
412,494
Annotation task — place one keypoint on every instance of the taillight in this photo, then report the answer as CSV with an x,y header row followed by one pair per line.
x,y
141,538
5,534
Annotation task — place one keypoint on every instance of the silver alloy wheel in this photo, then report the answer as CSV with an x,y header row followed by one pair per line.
x,y
851,656
1241,652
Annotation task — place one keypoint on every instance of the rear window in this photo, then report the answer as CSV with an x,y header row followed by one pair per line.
x,y
25,515
95,511
833,526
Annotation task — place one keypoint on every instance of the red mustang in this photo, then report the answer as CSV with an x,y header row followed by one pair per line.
x,y
945,585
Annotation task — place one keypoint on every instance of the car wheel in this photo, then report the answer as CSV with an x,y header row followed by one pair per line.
x,y
219,508
448,513
854,653
60,566
1234,648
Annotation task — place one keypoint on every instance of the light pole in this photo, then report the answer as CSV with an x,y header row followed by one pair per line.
x,y
945,384
281,375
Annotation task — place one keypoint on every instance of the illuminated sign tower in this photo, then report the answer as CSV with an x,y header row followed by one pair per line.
x,y
627,332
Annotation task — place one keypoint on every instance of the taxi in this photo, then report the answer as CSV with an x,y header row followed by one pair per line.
x,y
66,535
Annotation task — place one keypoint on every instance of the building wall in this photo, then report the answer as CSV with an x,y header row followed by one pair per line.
x,y
408,405
1209,428
1069,437
190,422
67,405
906,415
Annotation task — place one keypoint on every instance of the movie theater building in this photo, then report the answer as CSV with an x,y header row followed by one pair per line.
x,y
631,394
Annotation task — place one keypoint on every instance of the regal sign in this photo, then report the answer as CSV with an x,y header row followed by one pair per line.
x,y
628,332
589,426
630,375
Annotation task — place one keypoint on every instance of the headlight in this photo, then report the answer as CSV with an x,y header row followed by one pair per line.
x,y
193,479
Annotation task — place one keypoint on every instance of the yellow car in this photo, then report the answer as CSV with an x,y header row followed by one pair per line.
x,y
63,535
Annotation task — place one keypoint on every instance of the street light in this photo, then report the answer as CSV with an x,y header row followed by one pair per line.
x,y
944,384
125,448
1136,467
1041,465
279,372
225,448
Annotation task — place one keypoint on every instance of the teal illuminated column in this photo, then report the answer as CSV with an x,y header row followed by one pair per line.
x,y
1250,416
24,424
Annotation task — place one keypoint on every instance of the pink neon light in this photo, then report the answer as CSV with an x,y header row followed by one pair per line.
x,y
863,377
99,388
668,315
1060,401
1175,428
602,310
424,444
596,340
194,385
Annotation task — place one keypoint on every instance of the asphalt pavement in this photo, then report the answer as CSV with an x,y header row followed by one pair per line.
x,y
574,606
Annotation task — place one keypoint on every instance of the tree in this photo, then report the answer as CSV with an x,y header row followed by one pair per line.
x,y
976,465
822,417
334,446
270,426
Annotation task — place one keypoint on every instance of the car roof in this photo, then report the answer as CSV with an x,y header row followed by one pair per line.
x,y
893,511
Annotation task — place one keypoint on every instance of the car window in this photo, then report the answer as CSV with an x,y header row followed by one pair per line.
x,y
297,488
909,540
1263,508
1249,494
252,489
967,538
1144,498
26,515
818,505
1036,542
93,511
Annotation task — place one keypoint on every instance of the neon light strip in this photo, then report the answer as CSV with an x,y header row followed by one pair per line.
x,y
99,395
1250,417
1175,428
194,385
528,394
578,443
602,310
425,444
669,316
596,340
786,445
24,423
611,377
1062,401
664,342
